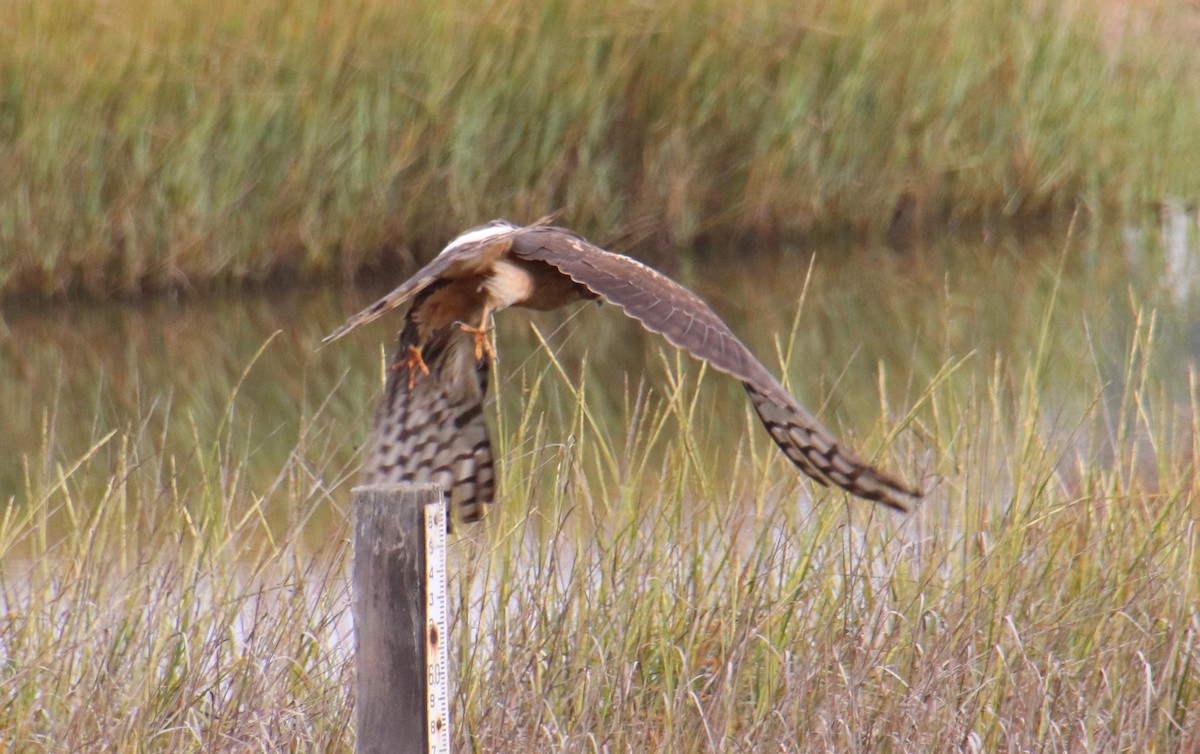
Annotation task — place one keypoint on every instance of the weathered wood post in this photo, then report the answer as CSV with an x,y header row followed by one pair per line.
x,y
399,585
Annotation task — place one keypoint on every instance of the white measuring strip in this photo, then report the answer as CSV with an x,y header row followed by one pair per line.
x,y
437,663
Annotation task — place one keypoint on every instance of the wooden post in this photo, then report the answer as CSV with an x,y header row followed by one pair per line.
x,y
400,657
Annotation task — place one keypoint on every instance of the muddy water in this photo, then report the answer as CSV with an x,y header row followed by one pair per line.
x,y
238,382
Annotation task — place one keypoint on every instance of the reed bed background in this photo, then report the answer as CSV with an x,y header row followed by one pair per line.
x,y
181,145
656,576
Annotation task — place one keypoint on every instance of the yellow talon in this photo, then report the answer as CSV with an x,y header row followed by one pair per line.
x,y
413,362
482,343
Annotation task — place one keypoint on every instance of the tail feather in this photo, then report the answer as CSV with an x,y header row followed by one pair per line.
x,y
434,432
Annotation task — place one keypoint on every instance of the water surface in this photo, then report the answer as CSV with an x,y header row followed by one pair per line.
x,y
234,390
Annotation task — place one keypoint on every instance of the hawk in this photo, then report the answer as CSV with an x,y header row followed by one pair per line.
x,y
429,426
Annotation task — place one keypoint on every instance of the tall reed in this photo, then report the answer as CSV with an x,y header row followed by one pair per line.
x,y
656,576
149,145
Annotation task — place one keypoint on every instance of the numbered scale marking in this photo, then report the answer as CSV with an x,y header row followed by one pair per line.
x,y
437,664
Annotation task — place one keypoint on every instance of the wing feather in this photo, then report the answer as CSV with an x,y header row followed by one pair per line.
x,y
663,306
471,253
455,261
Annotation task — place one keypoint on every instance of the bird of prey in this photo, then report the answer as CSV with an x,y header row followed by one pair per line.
x,y
429,427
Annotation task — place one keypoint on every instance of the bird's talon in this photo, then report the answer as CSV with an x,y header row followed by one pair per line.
x,y
482,344
412,362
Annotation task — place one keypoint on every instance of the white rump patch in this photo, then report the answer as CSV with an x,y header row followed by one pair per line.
x,y
482,233
508,285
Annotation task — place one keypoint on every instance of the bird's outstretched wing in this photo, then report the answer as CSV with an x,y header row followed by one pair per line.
x,y
430,429
467,258
472,253
663,306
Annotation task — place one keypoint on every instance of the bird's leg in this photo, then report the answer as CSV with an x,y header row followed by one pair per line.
x,y
412,362
482,343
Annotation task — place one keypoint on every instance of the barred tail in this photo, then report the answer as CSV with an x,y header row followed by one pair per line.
x,y
434,431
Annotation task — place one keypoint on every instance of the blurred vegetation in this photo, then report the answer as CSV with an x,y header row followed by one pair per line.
x,y
147,144
655,576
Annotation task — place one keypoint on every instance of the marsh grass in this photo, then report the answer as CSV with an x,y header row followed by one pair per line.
x,y
183,145
656,577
